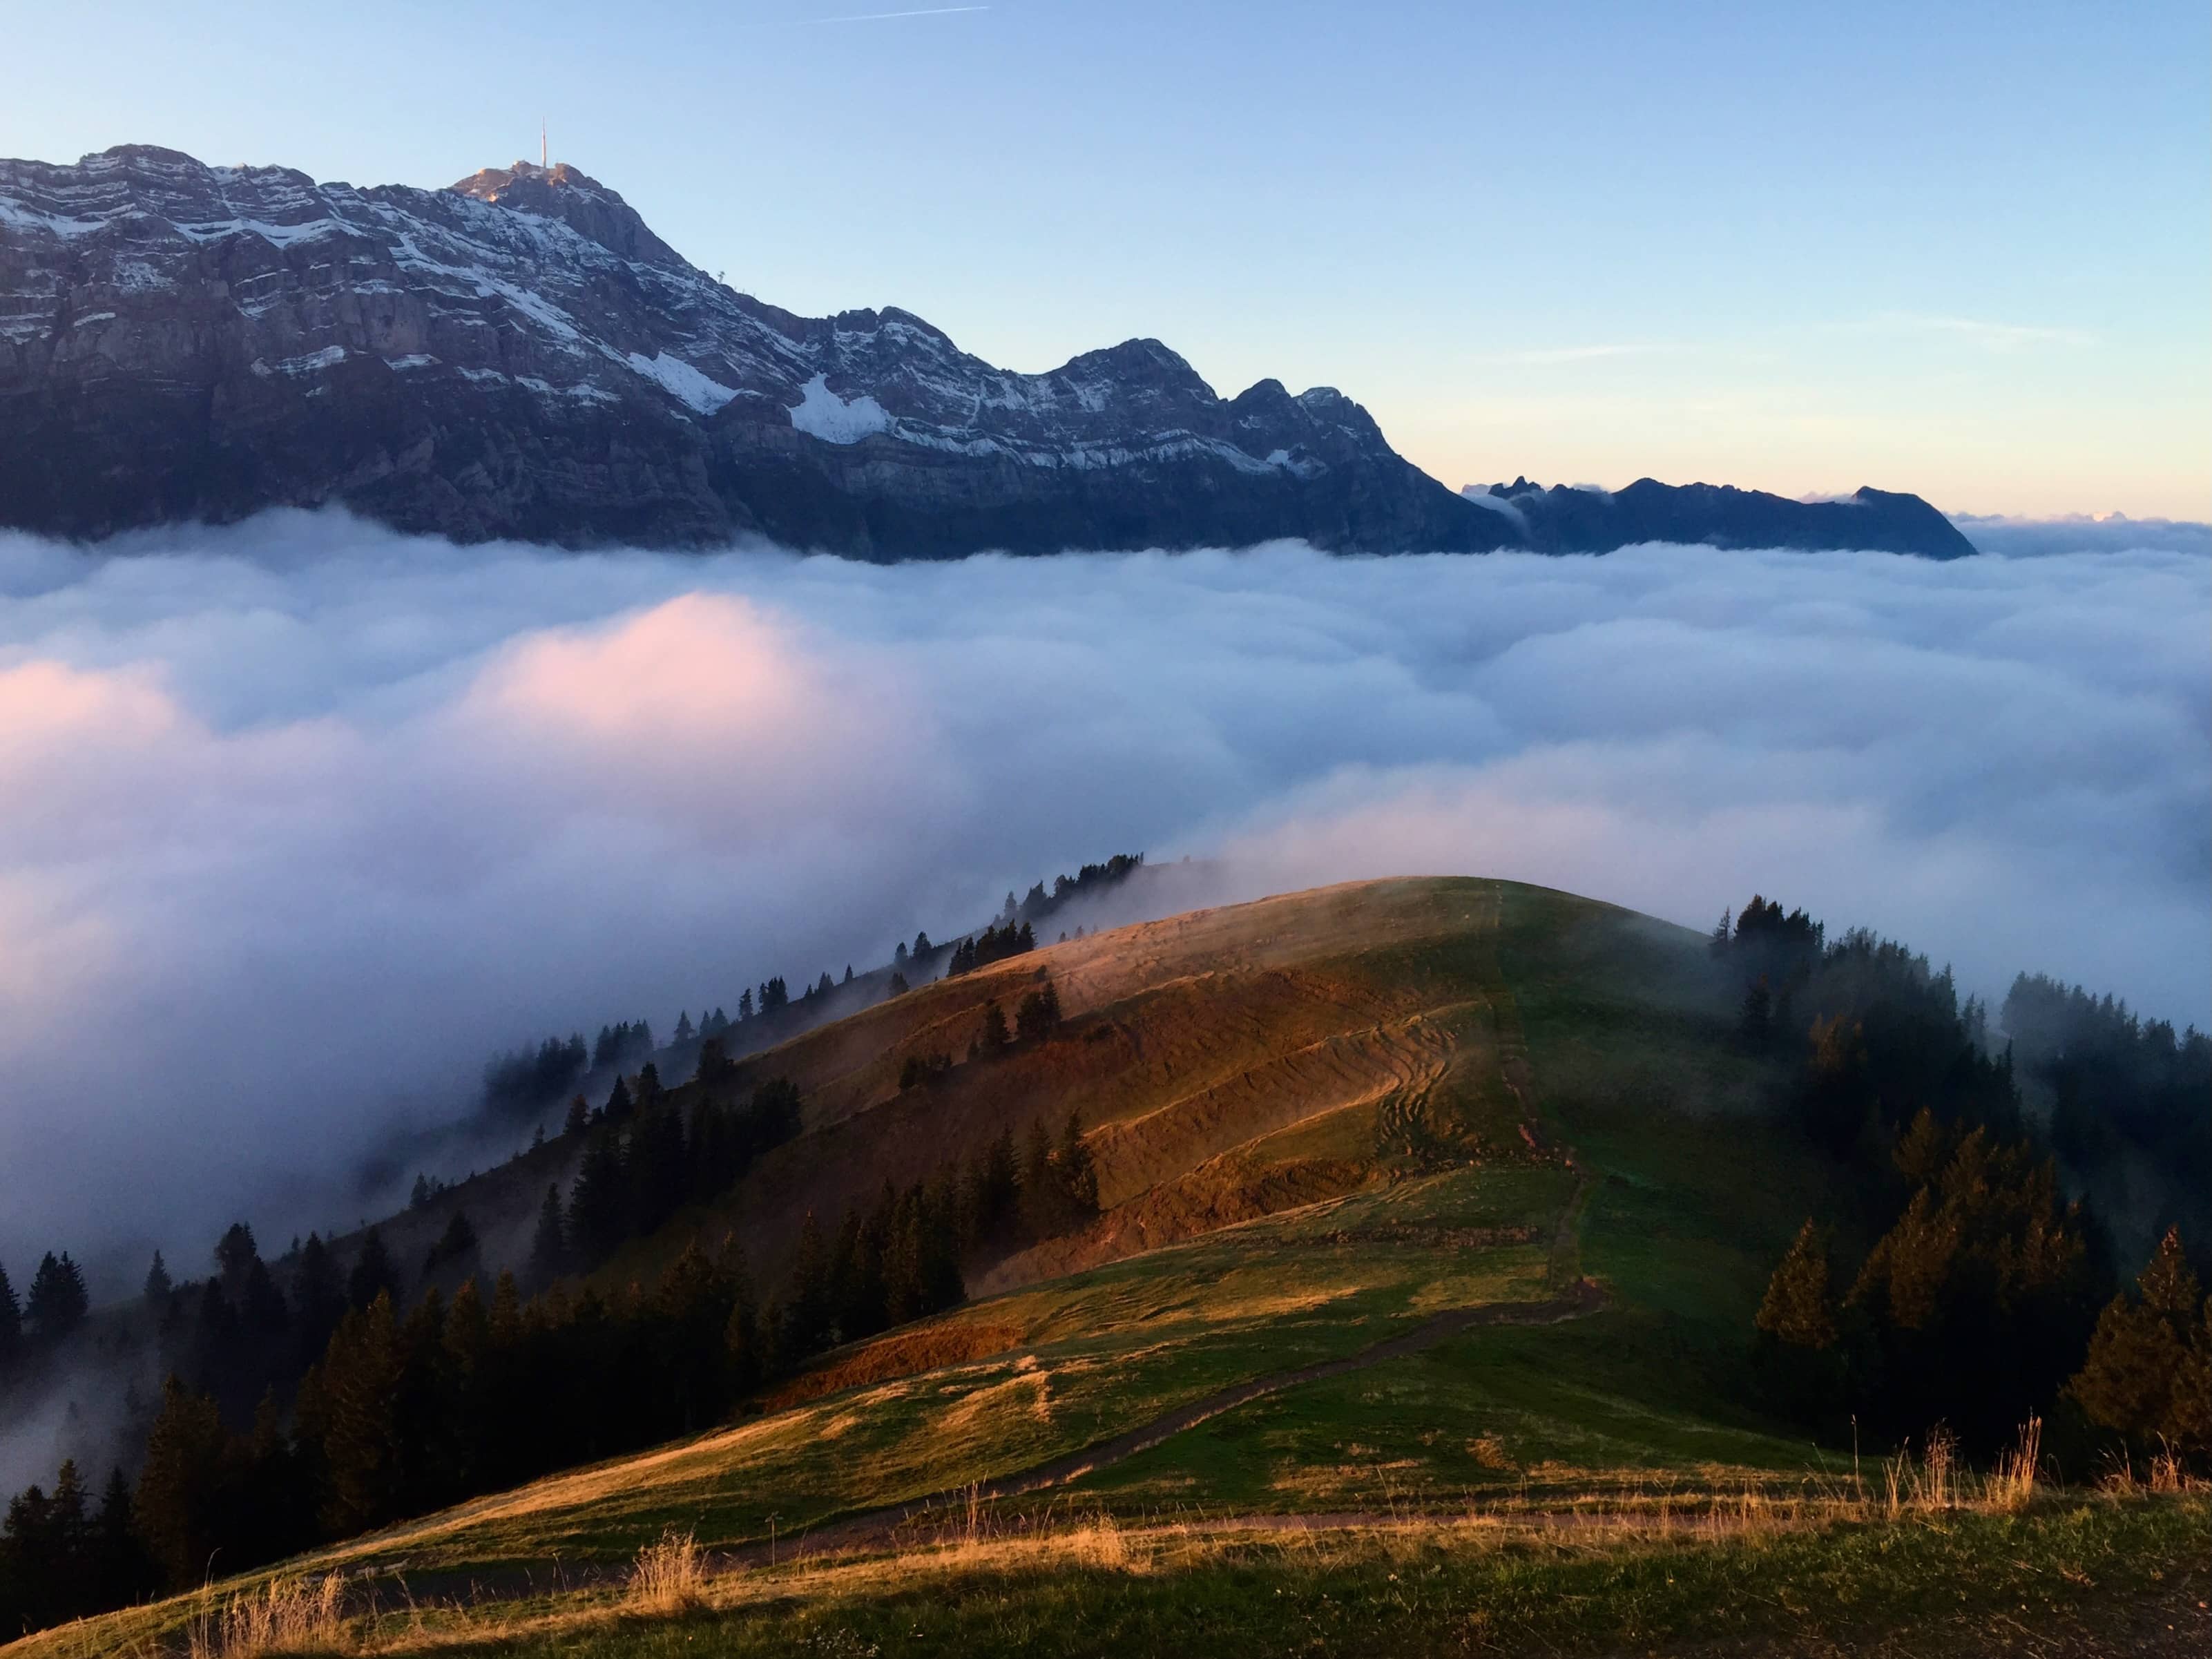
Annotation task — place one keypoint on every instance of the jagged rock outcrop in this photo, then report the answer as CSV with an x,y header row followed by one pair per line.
x,y
519,355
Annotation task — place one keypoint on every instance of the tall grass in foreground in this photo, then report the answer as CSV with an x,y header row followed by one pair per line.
x,y
671,1576
1621,1549
286,1616
2012,1488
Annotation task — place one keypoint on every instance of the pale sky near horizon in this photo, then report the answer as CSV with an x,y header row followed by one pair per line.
x,y
1960,249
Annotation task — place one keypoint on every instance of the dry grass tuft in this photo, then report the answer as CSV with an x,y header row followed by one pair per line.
x,y
1931,1481
1101,1544
2012,1487
287,1616
671,1576
2167,1473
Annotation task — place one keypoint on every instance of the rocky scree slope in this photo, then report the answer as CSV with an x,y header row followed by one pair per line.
x,y
519,355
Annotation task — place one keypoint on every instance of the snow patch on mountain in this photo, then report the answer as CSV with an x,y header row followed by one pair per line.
x,y
821,413
16,216
276,235
311,362
682,381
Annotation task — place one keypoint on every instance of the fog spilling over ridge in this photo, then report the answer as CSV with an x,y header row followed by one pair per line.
x,y
307,818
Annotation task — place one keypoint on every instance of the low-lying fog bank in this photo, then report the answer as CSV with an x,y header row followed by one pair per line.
x,y
306,819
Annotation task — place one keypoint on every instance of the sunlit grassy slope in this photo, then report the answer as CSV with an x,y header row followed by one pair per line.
x,y
1430,1201
1226,1064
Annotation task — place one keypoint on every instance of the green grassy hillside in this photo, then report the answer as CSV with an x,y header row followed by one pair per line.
x,y
1433,1217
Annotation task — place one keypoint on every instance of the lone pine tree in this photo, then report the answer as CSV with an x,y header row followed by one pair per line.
x,y
2148,1372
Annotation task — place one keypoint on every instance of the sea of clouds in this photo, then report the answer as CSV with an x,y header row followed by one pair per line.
x,y
304,819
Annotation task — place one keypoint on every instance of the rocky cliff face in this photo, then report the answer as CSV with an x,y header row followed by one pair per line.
x,y
519,355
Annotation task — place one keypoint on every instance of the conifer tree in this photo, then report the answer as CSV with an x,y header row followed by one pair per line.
x,y
11,1322
1040,1193
59,1301
1075,1174
741,1345
1800,1308
658,1174
619,1107
466,1432
424,1455
989,1194
457,1244
506,1311
806,1311
216,1331
69,1521
993,1033
1925,1148
235,1253
2148,1372
159,1285
1038,1014
1903,1283
691,1306
373,1272
122,1573
177,1507
549,1245
261,1305
351,1408
598,1211
319,1299
1756,1024
2169,1285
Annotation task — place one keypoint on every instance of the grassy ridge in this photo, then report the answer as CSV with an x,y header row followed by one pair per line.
x,y
1492,1091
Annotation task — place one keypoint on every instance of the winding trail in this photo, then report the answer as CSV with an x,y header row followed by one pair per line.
x,y
874,1526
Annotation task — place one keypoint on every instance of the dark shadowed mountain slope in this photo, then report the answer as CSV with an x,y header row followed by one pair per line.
x,y
519,355
1565,519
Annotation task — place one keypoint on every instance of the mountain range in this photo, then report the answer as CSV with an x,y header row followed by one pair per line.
x,y
519,355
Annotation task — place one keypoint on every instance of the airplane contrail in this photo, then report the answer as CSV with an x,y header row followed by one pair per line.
x,y
885,16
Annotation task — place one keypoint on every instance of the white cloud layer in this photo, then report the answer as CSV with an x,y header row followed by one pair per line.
x,y
306,818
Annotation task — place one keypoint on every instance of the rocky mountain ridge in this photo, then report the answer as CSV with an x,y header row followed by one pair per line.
x,y
519,355
1581,518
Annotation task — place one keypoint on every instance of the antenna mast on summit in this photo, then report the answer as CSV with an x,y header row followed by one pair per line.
x,y
545,158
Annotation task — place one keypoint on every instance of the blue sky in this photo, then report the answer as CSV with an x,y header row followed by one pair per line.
x,y
1965,250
